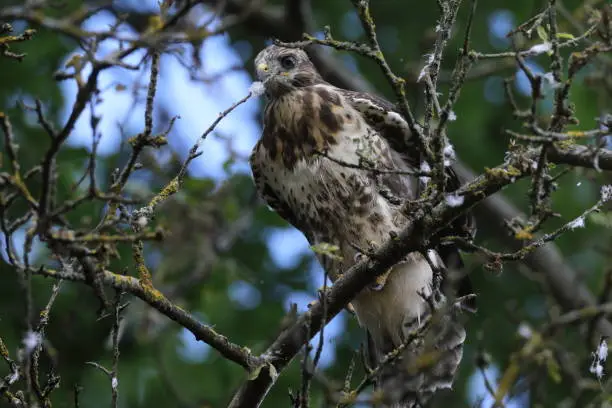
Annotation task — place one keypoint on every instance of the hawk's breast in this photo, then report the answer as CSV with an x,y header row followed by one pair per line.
x,y
314,155
307,122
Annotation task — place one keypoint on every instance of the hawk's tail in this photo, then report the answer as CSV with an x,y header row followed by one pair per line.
x,y
427,364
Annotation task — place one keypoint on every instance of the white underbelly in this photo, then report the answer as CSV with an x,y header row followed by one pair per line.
x,y
385,312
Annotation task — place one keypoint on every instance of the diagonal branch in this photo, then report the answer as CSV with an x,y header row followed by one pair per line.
x,y
233,352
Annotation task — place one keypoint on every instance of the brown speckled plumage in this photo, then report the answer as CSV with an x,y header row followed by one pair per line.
x,y
311,131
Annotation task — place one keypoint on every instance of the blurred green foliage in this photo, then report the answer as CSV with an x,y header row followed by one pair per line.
x,y
152,371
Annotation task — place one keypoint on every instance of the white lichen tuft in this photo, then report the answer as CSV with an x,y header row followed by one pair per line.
x,y
425,169
452,116
422,73
114,383
257,88
31,340
454,200
549,78
425,70
606,193
604,124
14,377
597,369
449,154
599,357
577,223
524,330
142,221
602,350
540,48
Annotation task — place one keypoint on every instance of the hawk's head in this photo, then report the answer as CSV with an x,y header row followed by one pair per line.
x,y
284,69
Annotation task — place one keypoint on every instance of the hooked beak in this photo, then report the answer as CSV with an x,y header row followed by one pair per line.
x,y
262,71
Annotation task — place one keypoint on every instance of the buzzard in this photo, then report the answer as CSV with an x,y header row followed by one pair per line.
x,y
339,166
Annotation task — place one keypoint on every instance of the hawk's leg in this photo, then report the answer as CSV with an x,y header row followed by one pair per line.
x,y
321,293
380,281
349,307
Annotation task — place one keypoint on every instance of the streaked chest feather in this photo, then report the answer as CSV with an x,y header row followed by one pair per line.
x,y
306,122
309,152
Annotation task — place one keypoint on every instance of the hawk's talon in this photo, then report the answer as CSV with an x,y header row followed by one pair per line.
x,y
361,253
349,307
380,281
377,287
357,248
372,247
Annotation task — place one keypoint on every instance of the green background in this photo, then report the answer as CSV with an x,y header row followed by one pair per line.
x,y
152,371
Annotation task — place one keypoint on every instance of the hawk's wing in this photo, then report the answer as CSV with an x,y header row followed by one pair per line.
x,y
266,192
449,332
384,117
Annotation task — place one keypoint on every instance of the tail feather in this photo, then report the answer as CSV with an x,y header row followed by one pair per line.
x,y
427,364
415,329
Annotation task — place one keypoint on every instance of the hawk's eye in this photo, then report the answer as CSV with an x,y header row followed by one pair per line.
x,y
288,62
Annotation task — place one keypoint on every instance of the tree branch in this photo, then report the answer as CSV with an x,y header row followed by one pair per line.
x,y
546,261
153,297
